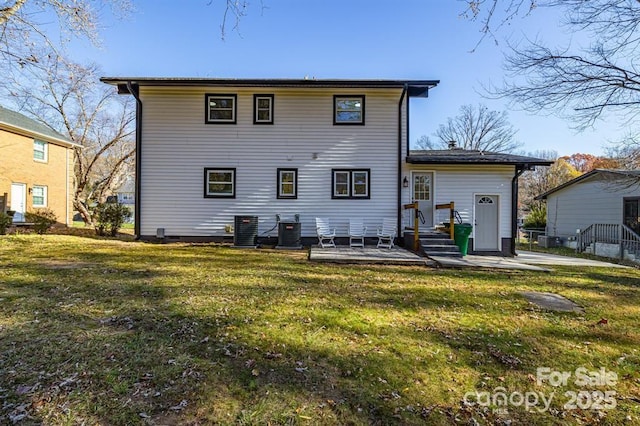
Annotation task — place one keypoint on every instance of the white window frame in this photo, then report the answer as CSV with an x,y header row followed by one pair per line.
x,y
44,151
354,183
34,188
208,194
351,183
339,98
211,96
257,109
281,194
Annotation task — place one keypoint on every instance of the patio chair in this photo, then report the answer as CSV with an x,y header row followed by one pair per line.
x,y
325,233
357,231
387,233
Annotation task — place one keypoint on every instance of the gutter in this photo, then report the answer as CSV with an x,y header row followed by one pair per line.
x,y
520,168
135,91
399,179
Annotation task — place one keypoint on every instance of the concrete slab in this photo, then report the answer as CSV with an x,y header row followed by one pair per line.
x,y
537,258
552,302
489,262
345,254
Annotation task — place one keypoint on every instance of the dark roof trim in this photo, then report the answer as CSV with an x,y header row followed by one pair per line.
x,y
420,86
588,175
460,156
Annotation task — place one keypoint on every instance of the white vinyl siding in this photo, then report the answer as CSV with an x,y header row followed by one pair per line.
x,y
460,184
177,145
585,203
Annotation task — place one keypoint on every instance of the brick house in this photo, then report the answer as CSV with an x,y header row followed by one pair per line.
x,y
36,167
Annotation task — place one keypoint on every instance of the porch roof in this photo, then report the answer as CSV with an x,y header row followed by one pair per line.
x,y
466,156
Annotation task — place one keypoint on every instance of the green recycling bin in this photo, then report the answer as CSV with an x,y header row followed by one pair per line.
x,y
461,232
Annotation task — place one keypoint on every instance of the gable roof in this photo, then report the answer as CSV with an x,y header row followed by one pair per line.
x,y
15,122
415,88
467,156
613,174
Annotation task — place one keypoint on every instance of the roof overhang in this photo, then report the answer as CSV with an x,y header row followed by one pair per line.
x,y
415,88
612,174
459,157
37,135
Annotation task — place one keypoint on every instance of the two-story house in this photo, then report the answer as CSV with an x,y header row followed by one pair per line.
x,y
36,167
211,149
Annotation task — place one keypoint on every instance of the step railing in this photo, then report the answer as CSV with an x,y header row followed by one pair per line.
x,y
608,233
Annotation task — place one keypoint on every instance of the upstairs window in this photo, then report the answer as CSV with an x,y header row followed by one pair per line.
x,y
39,196
351,183
219,183
288,183
220,109
40,151
263,109
348,109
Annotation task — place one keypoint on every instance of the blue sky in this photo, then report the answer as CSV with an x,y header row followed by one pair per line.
x,y
412,39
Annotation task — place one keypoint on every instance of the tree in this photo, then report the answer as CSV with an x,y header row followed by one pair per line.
x,y
478,129
538,181
586,162
582,82
425,142
28,30
69,98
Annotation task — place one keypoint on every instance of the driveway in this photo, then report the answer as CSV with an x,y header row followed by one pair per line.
x,y
537,258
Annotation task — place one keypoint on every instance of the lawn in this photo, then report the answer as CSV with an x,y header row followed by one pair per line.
x,y
104,331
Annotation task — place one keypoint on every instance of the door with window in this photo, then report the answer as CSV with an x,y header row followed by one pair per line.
x,y
631,216
18,201
486,235
423,195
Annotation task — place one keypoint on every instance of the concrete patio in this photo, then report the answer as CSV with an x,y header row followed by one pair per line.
x,y
369,254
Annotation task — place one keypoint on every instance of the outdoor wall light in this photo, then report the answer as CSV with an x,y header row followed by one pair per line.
x,y
405,182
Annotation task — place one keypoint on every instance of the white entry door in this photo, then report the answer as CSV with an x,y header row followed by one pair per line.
x,y
486,232
18,201
423,194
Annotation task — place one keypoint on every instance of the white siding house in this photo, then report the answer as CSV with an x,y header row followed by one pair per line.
x,y
177,147
212,149
597,197
481,185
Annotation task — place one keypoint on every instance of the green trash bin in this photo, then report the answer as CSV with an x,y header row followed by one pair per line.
x,y
461,232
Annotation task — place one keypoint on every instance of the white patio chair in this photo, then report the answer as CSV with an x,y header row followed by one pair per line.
x,y
357,231
325,233
387,233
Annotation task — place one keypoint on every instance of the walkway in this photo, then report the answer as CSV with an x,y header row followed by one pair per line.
x,y
538,258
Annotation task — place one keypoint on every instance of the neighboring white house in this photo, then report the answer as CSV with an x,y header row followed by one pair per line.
x,y
597,197
212,149
126,195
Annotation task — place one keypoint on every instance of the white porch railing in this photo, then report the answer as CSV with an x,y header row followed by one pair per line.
x,y
609,233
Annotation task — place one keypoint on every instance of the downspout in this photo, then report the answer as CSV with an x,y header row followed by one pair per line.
x,y
399,179
136,215
514,206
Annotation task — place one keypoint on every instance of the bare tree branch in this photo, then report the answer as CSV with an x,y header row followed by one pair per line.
x,y
477,128
69,98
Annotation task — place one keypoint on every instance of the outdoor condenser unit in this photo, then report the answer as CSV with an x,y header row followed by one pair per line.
x,y
245,231
289,235
548,241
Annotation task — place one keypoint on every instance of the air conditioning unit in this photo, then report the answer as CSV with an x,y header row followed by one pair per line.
x,y
289,235
548,241
245,231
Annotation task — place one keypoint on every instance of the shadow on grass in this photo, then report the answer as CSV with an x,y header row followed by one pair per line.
x,y
205,334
